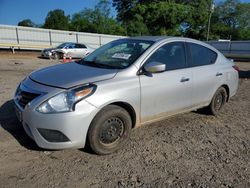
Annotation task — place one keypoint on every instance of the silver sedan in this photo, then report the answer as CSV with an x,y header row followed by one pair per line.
x,y
74,50
122,85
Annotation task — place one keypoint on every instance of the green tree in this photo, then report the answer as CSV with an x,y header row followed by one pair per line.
x,y
123,8
136,26
131,19
243,21
81,21
97,20
231,21
26,23
243,15
161,17
196,20
57,20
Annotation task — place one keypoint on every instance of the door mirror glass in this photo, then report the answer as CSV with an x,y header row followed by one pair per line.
x,y
155,67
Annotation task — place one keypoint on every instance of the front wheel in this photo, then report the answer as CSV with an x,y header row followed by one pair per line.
x,y
109,130
218,101
56,55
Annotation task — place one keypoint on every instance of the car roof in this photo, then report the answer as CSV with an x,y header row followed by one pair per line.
x,y
161,38
151,38
68,43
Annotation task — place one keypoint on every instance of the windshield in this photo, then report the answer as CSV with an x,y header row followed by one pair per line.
x,y
118,54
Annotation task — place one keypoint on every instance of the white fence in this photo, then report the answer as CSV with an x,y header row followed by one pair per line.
x,y
233,48
17,37
36,38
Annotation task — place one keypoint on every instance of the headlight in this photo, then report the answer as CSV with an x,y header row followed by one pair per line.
x,y
65,101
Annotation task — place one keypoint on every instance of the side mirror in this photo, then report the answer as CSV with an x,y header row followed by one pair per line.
x,y
155,67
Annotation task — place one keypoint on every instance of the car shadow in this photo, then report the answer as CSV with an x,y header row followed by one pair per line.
x,y
202,111
10,123
41,57
244,74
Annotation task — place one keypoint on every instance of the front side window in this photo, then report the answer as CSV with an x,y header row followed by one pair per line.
x,y
118,54
171,54
200,55
70,46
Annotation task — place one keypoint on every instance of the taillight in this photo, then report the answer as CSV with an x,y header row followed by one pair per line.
x,y
236,68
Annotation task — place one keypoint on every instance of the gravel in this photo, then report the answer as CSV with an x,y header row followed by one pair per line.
x,y
188,150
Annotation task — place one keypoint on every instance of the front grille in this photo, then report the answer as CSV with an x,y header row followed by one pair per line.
x,y
24,97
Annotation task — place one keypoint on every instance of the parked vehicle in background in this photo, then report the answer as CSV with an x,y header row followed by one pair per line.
x,y
121,85
74,50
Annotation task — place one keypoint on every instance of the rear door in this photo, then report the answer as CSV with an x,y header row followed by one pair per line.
x,y
71,50
206,77
80,50
168,92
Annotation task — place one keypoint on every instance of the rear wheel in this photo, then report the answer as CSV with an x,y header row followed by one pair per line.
x,y
218,101
109,130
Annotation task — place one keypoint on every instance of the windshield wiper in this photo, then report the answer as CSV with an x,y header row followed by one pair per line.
x,y
105,66
94,64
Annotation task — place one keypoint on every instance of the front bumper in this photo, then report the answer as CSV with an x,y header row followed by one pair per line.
x,y
74,125
46,54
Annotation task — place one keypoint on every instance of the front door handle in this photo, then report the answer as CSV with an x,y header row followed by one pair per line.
x,y
184,79
219,74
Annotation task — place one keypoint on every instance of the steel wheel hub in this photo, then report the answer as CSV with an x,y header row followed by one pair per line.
x,y
112,130
218,101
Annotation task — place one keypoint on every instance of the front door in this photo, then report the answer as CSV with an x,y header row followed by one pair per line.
x,y
168,92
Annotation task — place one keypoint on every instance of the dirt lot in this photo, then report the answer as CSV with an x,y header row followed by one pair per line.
x,y
189,150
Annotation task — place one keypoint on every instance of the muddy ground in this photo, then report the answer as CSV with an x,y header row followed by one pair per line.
x,y
189,150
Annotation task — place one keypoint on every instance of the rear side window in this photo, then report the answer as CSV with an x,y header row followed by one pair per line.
x,y
200,55
171,54
80,46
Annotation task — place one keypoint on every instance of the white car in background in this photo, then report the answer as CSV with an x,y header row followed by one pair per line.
x,y
74,50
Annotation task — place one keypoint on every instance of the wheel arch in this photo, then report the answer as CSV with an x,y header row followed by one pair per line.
x,y
128,108
227,90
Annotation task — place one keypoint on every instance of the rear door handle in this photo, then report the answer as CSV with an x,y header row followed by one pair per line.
x,y
219,74
184,79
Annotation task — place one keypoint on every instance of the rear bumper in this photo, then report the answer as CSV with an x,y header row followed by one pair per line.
x,y
234,84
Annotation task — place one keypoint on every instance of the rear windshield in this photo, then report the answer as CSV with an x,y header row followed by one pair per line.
x,y
63,45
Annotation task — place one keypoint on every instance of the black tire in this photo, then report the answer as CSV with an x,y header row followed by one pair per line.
x,y
218,101
109,130
56,56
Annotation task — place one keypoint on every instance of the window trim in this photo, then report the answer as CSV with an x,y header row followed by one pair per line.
x,y
189,55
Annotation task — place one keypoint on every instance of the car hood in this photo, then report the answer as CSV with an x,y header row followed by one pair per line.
x,y
71,74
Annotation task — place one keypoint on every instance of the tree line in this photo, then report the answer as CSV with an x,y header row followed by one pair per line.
x,y
188,18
